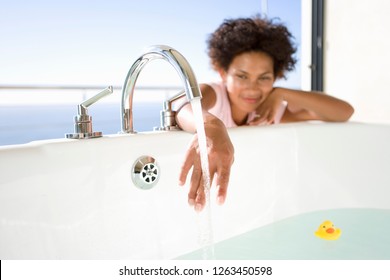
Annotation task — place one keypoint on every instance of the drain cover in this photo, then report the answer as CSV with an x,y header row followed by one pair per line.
x,y
145,172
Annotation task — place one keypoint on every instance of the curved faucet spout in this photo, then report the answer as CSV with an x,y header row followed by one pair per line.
x,y
169,54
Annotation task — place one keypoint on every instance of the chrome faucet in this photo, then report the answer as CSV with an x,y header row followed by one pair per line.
x,y
169,54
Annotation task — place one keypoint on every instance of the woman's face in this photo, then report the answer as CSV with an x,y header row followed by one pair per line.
x,y
249,81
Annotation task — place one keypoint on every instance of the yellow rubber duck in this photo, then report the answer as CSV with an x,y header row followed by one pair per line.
x,y
327,231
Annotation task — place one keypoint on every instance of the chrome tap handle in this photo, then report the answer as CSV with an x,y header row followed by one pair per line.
x,y
167,115
83,122
82,107
168,103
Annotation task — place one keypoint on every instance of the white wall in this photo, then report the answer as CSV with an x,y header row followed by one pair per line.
x,y
357,56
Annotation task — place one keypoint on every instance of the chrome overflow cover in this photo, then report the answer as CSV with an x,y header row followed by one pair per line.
x,y
145,172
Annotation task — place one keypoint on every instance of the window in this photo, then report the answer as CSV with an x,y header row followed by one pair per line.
x,y
93,43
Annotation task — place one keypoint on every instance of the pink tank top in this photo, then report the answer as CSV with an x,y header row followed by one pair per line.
x,y
222,109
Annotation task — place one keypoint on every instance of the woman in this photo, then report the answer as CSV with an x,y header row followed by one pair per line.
x,y
249,54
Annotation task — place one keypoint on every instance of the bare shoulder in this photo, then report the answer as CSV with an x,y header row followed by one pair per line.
x,y
208,96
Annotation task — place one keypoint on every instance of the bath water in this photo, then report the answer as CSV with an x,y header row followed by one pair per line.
x,y
204,217
364,236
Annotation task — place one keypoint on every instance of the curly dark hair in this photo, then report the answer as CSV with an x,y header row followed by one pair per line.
x,y
237,36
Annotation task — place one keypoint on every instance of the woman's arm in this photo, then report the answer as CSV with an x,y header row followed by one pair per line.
x,y
303,106
184,115
220,152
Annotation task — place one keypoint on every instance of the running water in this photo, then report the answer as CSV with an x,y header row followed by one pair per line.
x,y
204,217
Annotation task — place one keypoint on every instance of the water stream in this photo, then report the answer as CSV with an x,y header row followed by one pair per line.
x,y
204,217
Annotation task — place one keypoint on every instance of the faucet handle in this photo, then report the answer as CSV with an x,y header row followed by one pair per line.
x,y
82,107
167,115
83,122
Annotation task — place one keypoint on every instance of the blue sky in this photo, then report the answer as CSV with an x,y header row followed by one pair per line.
x,y
78,42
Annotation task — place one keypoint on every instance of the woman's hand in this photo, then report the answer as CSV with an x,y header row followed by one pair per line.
x,y
269,111
220,155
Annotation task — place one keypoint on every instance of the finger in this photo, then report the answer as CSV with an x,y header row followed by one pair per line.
x,y
270,120
260,120
256,119
264,116
270,117
223,177
211,178
194,184
200,200
186,166
254,122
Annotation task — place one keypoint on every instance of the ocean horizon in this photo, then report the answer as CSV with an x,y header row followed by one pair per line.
x,y
20,124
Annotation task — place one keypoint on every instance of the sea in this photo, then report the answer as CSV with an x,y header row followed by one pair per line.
x,y
20,124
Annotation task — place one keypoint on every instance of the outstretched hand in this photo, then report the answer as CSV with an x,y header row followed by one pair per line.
x,y
220,155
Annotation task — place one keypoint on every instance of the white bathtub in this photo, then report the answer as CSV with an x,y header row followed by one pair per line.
x,y
74,199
